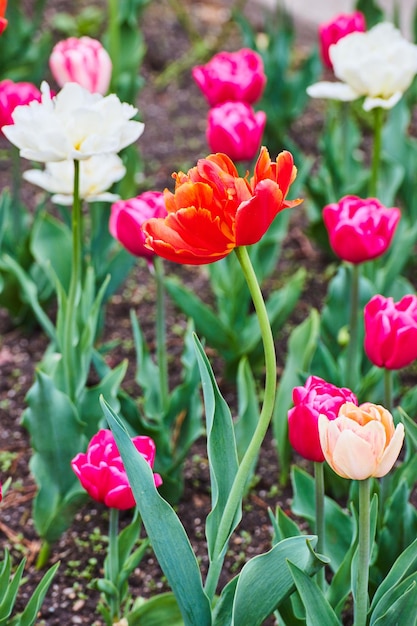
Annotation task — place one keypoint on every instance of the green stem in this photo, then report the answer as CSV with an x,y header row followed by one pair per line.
x,y
352,356
376,154
388,390
74,288
246,464
114,41
113,570
361,601
161,332
16,208
319,492
43,556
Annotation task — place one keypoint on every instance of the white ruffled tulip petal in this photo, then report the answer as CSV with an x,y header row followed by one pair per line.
x,y
373,103
391,453
332,91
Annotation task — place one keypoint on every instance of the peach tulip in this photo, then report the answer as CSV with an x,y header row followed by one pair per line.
x,y
362,441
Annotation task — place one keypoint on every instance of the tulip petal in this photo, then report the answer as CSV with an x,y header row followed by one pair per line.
x,y
332,91
391,452
352,457
255,216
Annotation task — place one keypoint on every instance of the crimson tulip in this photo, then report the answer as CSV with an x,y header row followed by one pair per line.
x,y
391,331
360,229
15,94
127,217
315,397
83,61
3,21
340,26
101,472
237,76
235,129
213,210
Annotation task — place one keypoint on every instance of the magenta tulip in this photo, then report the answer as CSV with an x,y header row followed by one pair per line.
x,y
360,229
101,472
391,331
340,26
15,94
83,61
237,76
315,397
236,130
127,217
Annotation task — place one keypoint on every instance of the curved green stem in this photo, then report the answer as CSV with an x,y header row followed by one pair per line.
x,y
319,493
114,40
376,153
352,356
161,332
74,288
113,569
361,603
238,487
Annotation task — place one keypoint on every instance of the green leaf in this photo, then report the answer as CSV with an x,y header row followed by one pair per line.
x,y
166,533
222,454
248,407
397,607
51,245
161,609
9,592
30,614
147,374
318,610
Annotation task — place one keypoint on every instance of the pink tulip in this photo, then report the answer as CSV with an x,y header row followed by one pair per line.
x,y
360,230
361,442
237,76
342,25
315,397
236,130
127,217
15,94
83,61
391,331
101,471
3,20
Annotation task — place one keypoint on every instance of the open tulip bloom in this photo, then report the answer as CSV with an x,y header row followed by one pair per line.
x,y
213,210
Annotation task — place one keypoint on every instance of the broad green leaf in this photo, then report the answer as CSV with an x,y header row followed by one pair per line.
x,y
404,566
397,607
318,610
161,609
165,531
51,245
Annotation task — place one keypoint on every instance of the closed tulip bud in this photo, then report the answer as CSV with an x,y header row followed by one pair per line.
x,y
101,472
83,61
127,217
15,94
236,130
391,331
340,26
237,76
360,229
315,397
3,20
361,442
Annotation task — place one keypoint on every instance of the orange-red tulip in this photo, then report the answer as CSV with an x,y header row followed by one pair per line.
x,y
213,210
3,21
361,442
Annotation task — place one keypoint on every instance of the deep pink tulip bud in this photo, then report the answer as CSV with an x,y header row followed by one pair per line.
x,y
360,230
127,217
236,130
315,397
237,76
101,472
391,331
336,29
83,61
3,20
15,94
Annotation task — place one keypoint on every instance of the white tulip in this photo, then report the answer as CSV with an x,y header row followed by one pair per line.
x,y
378,64
97,174
74,124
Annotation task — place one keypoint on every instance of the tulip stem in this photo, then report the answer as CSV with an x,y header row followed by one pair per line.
x,y
376,153
114,41
352,355
388,390
161,332
236,492
113,569
361,603
319,493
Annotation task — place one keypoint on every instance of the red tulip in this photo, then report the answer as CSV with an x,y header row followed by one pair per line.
x,y
237,76
360,230
127,217
315,397
3,21
13,95
391,331
101,471
235,129
213,210
83,61
342,25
